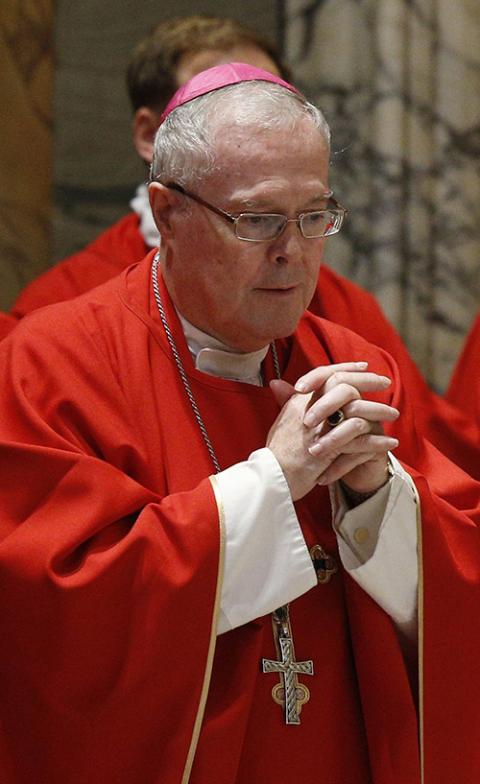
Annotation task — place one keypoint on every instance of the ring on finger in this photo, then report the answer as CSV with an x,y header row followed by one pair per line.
x,y
336,418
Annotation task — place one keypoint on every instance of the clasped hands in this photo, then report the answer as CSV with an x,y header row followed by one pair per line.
x,y
310,452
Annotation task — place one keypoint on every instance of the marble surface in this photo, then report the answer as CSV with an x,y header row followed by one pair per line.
x,y
26,65
399,82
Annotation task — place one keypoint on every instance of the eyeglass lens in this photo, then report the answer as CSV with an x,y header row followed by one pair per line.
x,y
254,226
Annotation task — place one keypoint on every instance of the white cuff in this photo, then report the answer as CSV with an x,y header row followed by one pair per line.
x,y
267,563
377,543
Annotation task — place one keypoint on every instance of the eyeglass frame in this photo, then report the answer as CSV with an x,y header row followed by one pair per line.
x,y
231,218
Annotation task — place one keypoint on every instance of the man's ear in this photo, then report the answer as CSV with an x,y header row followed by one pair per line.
x,y
162,200
145,124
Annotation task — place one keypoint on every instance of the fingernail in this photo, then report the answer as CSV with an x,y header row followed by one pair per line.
x,y
315,449
386,381
309,420
362,365
322,481
300,386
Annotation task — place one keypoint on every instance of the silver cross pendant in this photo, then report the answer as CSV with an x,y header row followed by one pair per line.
x,y
288,693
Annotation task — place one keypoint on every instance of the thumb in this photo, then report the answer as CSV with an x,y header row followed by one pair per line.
x,y
282,391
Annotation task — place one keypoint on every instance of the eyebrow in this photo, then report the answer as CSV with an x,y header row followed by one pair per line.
x,y
252,204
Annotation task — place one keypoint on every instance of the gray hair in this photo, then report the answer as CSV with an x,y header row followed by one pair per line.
x,y
184,148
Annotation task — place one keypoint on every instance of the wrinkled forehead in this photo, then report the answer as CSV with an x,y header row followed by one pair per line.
x,y
255,161
235,136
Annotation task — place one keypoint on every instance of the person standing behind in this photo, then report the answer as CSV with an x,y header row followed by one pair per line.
x,y
175,51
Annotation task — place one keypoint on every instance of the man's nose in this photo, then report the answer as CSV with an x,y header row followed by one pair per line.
x,y
289,245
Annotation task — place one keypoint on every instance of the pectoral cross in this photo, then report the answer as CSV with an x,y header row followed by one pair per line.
x,y
289,693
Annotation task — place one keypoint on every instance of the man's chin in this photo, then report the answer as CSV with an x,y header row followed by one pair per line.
x,y
275,332
253,334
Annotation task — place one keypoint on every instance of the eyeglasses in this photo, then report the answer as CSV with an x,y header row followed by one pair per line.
x,y
261,227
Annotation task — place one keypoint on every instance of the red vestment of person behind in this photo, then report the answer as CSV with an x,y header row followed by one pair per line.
x,y
7,323
464,389
111,562
110,253
336,299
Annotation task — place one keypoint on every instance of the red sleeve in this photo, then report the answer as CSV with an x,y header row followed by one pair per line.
x,y
108,588
451,430
114,250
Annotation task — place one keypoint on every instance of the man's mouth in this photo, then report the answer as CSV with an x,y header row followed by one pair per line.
x,y
278,289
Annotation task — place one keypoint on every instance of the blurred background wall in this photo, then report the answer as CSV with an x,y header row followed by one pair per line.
x,y
26,85
399,81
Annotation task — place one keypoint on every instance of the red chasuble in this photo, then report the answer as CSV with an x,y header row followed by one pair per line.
x,y
464,389
336,299
111,558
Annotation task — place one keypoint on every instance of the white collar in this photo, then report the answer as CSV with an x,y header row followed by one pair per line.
x,y
141,205
217,359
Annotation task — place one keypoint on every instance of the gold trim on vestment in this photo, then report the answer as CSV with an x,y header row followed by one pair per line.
x,y
420,599
213,636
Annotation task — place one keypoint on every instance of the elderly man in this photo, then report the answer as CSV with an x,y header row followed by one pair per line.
x,y
175,51
208,557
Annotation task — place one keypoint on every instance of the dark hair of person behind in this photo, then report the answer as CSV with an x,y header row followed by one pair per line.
x,y
151,71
